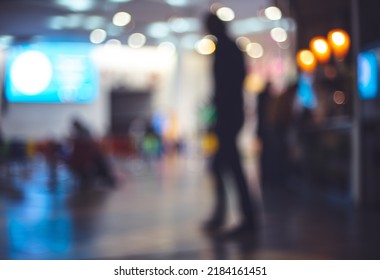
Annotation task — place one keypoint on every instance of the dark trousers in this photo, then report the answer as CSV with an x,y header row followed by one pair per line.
x,y
227,159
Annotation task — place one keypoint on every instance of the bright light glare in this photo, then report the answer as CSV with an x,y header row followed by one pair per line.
x,y
98,36
338,38
225,14
121,19
205,46
279,34
306,60
321,49
242,43
31,72
255,50
307,57
273,13
136,40
320,46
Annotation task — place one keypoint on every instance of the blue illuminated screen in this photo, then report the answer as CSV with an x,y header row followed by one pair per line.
x,y
368,84
51,73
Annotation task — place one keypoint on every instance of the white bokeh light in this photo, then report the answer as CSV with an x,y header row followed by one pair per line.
x,y
273,13
136,40
225,14
98,36
255,50
205,46
31,72
121,19
279,34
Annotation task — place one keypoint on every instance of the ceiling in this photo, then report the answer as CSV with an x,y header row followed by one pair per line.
x,y
73,20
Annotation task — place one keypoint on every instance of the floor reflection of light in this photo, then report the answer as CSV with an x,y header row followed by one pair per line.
x,y
38,224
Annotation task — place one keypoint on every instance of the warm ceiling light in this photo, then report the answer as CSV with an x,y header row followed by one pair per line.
x,y
306,60
340,43
321,49
205,46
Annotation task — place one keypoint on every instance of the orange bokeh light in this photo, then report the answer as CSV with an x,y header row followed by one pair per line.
x,y
306,60
339,41
320,49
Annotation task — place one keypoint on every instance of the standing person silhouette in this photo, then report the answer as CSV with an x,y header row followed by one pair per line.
x,y
262,133
228,73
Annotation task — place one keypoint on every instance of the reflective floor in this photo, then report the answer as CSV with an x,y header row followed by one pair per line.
x,y
156,211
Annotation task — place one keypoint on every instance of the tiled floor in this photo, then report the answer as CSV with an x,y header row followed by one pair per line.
x,y
156,212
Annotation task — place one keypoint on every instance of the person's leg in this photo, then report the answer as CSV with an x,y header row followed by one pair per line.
x,y
219,209
244,196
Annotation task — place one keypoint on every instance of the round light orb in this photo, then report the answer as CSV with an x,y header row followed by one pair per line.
x,y
121,19
31,72
273,13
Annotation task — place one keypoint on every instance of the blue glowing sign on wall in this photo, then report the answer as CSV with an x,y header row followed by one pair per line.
x,y
306,95
368,80
51,73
